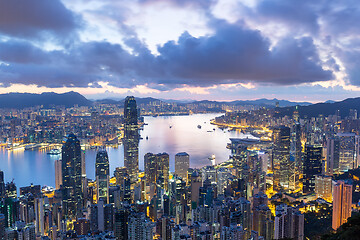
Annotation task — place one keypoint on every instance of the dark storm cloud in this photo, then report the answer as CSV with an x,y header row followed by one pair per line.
x,y
236,54
232,54
21,52
32,18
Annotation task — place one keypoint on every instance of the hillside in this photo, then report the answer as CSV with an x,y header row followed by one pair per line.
x,y
48,99
325,108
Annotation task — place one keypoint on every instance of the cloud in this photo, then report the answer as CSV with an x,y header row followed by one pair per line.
x,y
182,3
237,54
233,54
33,18
302,15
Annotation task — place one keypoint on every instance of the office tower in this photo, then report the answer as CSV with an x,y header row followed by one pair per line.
x,y
281,158
35,190
295,153
222,176
58,174
121,223
2,226
323,187
288,223
182,162
332,155
82,227
342,200
12,207
71,177
208,173
102,175
84,180
296,116
2,185
195,183
131,139
349,145
11,190
139,227
157,169
312,167
150,166
119,174
39,216
163,163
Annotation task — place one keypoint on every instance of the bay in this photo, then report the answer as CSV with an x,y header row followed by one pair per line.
x,y
170,134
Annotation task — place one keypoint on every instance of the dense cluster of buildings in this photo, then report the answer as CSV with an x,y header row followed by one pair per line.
x,y
261,192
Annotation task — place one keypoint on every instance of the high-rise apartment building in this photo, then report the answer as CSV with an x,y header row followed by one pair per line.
x,y
323,187
182,163
281,158
342,200
139,227
102,175
131,138
71,177
288,223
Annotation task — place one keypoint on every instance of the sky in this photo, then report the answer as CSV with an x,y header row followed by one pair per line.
x,y
182,49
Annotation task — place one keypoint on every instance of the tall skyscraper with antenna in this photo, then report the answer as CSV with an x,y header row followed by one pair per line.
x,y
131,138
71,177
102,175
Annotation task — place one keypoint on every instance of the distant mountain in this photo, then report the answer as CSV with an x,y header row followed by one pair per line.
x,y
271,102
121,102
325,109
260,102
48,99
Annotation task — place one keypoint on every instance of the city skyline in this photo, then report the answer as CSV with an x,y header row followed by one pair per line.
x,y
208,49
179,119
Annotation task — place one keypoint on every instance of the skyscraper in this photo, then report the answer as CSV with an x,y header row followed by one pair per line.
x,y
2,185
281,158
295,152
131,138
312,167
182,161
157,169
71,177
342,199
332,155
58,174
102,175
323,187
163,163
347,153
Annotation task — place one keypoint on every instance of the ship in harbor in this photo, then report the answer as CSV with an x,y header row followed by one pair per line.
x,y
54,152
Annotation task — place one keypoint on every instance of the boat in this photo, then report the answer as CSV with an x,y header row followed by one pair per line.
x,y
54,152
199,126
